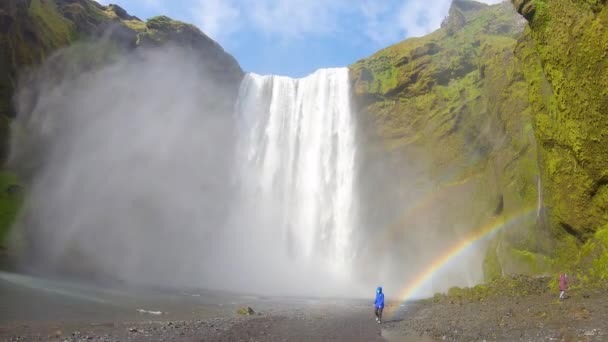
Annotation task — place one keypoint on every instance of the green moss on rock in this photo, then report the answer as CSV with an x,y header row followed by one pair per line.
x,y
457,100
11,198
245,311
517,286
522,107
569,39
55,29
529,262
491,263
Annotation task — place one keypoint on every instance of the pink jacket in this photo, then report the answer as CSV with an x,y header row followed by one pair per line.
x,y
563,282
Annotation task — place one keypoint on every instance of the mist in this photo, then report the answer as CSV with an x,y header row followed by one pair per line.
x,y
144,168
134,178
133,183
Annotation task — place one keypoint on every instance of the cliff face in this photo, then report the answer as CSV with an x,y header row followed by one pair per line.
x,y
513,113
31,31
569,95
570,100
456,102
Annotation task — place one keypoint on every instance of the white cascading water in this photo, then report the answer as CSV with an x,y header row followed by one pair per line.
x,y
297,154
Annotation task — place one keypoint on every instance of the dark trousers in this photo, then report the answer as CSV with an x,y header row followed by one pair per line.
x,y
378,312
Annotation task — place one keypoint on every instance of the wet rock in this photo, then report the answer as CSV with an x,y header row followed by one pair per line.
x,y
13,189
246,311
526,8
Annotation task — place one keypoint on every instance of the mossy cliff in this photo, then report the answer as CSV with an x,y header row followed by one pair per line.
x,y
33,30
509,109
456,102
570,101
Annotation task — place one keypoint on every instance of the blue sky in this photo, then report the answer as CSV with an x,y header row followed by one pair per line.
x,y
296,37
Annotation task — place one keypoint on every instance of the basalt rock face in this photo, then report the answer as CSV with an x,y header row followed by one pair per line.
x,y
526,8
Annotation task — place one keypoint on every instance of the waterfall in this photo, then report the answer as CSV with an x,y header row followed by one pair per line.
x,y
149,192
296,164
539,190
539,184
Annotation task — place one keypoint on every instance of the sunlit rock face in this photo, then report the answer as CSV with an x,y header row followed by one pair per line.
x,y
447,116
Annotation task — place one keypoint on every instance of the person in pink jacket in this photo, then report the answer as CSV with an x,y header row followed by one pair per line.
x,y
563,285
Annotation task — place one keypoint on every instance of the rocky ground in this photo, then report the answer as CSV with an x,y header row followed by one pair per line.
x,y
207,330
582,317
517,309
351,326
536,317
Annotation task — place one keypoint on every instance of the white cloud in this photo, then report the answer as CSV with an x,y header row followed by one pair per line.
x,y
286,19
152,4
378,21
295,18
217,17
417,18
376,26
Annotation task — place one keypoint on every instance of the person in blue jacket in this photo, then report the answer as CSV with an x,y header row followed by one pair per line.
x,y
379,304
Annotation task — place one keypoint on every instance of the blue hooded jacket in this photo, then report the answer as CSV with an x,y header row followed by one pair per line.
x,y
379,303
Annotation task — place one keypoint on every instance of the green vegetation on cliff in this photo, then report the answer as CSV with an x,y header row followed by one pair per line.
x,y
457,100
33,30
565,50
522,107
11,197
586,266
570,41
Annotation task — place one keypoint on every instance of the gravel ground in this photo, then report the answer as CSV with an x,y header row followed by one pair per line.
x,y
301,327
502,318
582,317
315,323
40,310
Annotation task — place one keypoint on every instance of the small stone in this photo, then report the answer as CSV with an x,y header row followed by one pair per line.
x,y
246,311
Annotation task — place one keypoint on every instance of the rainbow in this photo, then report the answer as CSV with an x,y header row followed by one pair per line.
x,y
423,203
419,206
478,234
